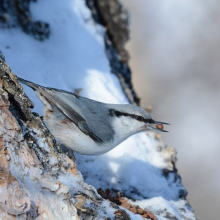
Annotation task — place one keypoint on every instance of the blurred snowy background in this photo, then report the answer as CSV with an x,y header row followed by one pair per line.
x,y
175,51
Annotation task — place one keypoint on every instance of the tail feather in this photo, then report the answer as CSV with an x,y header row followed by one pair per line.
x,y
28,83
22,81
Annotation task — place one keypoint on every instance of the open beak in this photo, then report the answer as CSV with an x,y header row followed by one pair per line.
x,y
158,124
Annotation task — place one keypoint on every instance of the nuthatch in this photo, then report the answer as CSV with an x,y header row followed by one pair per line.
x,y
87,126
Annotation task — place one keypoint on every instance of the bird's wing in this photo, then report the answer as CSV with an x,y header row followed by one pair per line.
x,y
60,100
84,127
69,104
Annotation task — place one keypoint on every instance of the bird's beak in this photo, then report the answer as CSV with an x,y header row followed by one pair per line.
x,y
157,123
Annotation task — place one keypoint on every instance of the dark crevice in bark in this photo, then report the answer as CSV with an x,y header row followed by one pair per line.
x,y
114,18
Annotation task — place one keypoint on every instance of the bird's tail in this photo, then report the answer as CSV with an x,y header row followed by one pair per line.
x,y
28,83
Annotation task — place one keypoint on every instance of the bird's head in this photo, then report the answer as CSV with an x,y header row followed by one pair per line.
x,y
132,119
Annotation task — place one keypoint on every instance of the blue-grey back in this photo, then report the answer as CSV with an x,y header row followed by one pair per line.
x,y
81,110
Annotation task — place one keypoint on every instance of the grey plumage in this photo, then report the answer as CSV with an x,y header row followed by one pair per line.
x,y
76,108
106,124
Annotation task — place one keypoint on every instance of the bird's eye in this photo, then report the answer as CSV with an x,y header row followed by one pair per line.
x,y
139,118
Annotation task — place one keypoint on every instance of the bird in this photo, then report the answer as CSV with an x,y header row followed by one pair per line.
x,y
87,126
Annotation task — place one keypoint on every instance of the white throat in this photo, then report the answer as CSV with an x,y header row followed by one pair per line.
x,y
125,127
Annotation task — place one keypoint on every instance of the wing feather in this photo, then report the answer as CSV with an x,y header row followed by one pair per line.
x,y
70,105
69,112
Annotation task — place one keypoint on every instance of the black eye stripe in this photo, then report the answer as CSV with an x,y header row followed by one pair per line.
x,y
137,117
